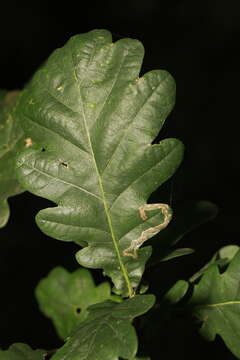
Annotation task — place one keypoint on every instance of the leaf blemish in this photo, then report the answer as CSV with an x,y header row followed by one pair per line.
x,y
63,163
150,232
28,142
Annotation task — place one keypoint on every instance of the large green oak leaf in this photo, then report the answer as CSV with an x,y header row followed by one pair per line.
x,y
107,333
65,297
93,121
216,303
11,141
21,351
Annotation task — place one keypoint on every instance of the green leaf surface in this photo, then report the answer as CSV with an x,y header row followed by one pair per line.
x,y
226,253
65,297
177,253
21,351
216,303
94,121
222,258
11,141
176,293
107,333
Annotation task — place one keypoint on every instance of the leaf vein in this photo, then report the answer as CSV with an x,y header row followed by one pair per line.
x,y
78,226
62,181
56,133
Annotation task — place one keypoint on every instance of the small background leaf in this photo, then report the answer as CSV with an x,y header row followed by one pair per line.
x,y
107,333
11,141
216,304
177,253
176,293
227,253
222,258
65,297
21,351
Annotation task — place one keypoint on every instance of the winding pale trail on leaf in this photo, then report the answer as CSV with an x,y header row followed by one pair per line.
x,y
147,234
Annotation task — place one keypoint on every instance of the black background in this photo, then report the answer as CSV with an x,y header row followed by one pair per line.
x,y
198,43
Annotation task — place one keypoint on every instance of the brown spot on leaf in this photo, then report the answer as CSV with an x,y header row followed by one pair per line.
x,y
28,142
64,164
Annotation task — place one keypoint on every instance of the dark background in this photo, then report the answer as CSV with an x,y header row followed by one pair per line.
x,y
198,43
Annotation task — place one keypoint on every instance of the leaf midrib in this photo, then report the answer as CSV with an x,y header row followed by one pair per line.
x,y
234,302
122,266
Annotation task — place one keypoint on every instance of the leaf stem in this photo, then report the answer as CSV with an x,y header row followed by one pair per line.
x,y
124,271
122,266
